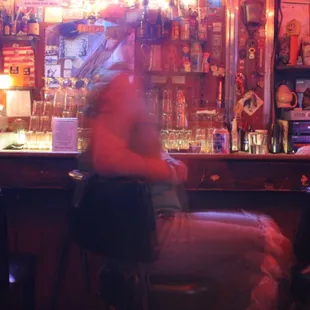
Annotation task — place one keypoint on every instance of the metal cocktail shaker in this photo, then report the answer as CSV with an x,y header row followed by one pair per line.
x,y
275,140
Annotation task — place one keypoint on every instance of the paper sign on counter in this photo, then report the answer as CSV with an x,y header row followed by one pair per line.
x,y
64,134
18,103
158,79
178,79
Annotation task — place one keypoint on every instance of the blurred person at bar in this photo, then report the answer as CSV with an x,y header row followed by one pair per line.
x,y
244,253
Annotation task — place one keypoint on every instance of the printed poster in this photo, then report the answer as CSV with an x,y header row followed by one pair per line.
x,y
40,3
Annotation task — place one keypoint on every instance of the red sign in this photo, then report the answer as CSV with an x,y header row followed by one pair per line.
x,y
90,28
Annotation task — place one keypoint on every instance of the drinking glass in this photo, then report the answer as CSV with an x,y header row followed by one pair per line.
x,y
59,99
45,123
200,139
164,139
34,124
81,101
258,142
183,140
84,136
37,107
70,104
48,108
81,93
172,144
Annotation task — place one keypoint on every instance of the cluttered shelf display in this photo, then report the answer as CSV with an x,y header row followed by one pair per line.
x,y
184,88
25,24
292,73
181,52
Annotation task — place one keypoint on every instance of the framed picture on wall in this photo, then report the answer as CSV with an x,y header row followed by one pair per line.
x,y
8,5
73,48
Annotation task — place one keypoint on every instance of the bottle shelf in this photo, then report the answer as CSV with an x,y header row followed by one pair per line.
x,y
293,71
20,88
19,38
176,73
170,41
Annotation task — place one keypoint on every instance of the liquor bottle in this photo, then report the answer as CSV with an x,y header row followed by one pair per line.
x,y
13,28
24,25
7,26
159,25
166,30
202,24
33,26
143,29
18,23
219,99
167,109
193,25
196,57
1,23
181,110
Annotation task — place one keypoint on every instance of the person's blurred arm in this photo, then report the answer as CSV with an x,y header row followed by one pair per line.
x,y
112,157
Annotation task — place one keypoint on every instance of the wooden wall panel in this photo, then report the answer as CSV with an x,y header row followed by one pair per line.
x,y
37,213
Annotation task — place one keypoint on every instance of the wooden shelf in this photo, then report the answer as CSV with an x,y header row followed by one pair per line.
x,y
168,74
20,38
293,71
162,41
20,88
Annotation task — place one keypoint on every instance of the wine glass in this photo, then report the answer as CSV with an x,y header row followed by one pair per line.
x,y
81,101
59,99
70,100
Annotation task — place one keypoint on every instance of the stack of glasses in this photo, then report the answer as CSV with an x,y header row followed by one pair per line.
x,y
66,101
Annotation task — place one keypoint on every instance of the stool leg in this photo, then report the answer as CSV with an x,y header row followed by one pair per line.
x,y
28,292
65,249
284,299
85,269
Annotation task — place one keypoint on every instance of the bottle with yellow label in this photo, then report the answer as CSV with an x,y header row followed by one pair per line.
x,y
33,25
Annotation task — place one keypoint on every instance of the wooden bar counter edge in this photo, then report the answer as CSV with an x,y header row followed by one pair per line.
x,y
180,156
237,171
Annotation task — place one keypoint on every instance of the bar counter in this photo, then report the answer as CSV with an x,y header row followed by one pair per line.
x,y
37,191
232,156
237,171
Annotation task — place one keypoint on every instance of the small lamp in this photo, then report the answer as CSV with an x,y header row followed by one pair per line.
x,y
5,81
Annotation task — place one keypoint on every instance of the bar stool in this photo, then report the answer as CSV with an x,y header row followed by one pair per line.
x,y
181,294
301,288
17,272
120,291
164,292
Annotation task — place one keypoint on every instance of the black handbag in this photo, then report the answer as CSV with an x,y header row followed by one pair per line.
x,y
114,217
